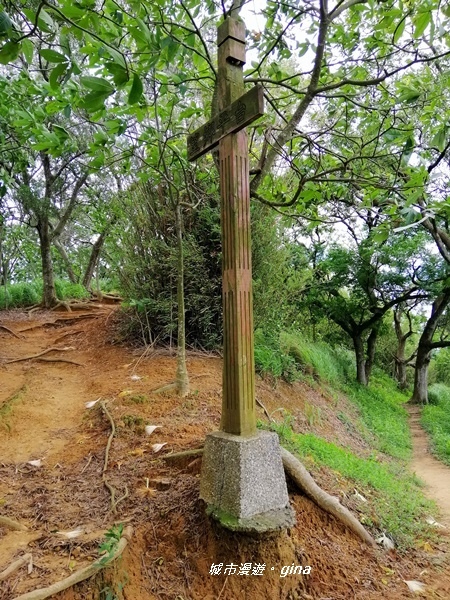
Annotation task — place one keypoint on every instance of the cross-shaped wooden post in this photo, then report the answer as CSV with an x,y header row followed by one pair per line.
x,y
242,478
227,130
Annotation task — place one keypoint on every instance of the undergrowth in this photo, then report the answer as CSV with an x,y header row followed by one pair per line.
x,y
21,295
380,405
395,504
436,420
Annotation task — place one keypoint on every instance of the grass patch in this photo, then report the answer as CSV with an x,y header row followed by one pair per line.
x,y
436,420
382,413
21,295
395,503
7,407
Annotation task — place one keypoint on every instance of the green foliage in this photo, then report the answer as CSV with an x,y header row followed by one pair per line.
x,y
382,413
333,366
436,420
109,545
21,295
395,502
270,359
440,366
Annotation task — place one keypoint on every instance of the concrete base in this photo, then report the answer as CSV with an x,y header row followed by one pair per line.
x,y
243,482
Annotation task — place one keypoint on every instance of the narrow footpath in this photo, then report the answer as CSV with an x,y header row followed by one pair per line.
x,y
434,473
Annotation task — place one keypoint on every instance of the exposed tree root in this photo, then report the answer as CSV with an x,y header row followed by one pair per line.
x,y
19,337
33,356
26,559
57,322
107,485
301,477
165,388
67,334
11,524
81,574
63,360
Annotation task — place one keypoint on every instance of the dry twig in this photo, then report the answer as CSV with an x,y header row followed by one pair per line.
x,y
81,574
13,567
11,524
108,486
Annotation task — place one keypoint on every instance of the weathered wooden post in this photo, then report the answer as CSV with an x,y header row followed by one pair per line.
x,y
242,474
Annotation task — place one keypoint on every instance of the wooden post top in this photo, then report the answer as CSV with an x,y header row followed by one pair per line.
x,y
231,41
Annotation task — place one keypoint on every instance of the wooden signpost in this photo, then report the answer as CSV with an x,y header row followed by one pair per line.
x,y
242,480
227,129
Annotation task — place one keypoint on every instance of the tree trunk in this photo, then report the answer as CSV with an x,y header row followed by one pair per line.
x,y
420,393
358,345
70,272
95,253
370,359
181,378
49,298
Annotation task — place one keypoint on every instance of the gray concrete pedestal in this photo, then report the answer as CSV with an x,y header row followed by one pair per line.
x,y
243,482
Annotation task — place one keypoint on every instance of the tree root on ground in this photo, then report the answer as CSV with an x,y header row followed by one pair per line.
x,y
81,574
63,360
107,485
19,337
11,524
26,559
41,354
34,356
57,322
304,481
165,388
302,478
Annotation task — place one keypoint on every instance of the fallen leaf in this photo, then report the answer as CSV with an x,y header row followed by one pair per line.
x,y
157,447
149,429
146,491
125,393
135,377
358,496
92,403
388,571
70,534
434,523
415,586
35,463
386,542
137,452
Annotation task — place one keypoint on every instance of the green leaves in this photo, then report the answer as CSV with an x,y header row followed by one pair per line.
x,y
421,22
9,52
97,84
94,101
5,23
52,56
136,90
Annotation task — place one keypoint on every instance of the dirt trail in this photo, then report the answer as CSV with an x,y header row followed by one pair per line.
x,y
174,544
434,473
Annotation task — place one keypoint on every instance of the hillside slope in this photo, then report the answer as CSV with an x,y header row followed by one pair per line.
x,y
43,416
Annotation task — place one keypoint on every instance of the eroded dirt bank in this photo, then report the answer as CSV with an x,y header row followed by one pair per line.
x,y
45,418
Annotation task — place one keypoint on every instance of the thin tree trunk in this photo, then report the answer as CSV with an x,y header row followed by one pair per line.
x,y
49,298
70,272
181,378
371,344
358,345
420,393
93,259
